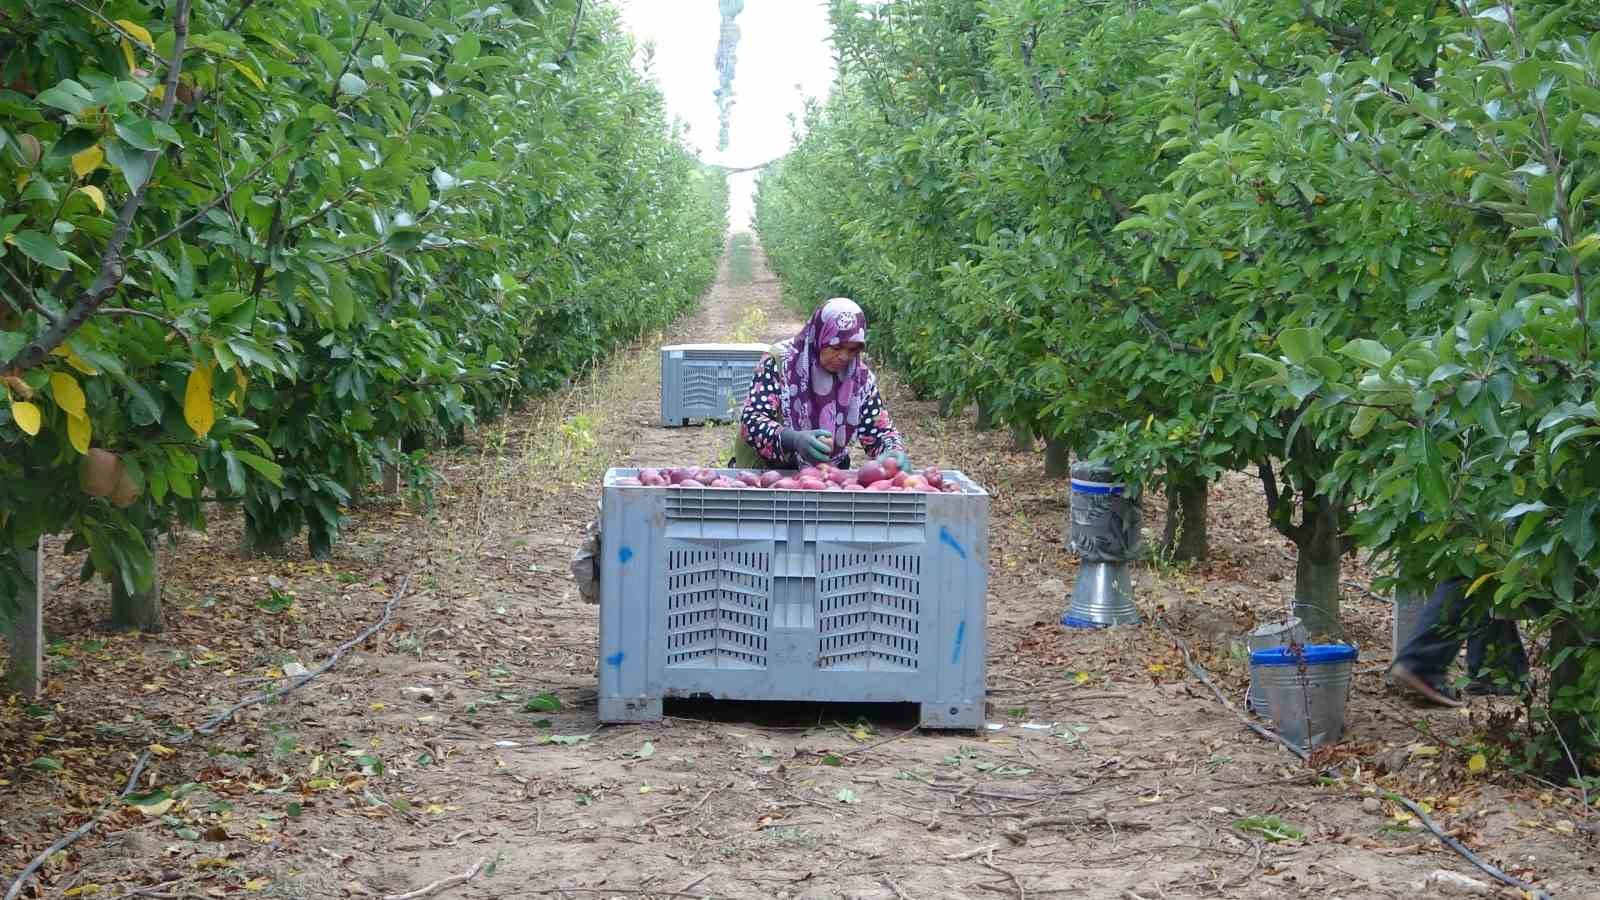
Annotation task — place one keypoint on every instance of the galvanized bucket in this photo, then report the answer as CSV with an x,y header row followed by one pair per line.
x,y
1101,597
1274,634
1307,689
1104,535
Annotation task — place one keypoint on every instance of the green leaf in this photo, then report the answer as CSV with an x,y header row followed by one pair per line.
x,y
545,702
68,96
1271,828
1365,418
403,239
42,249
266,467
1299,344
1367,351
46,764
1578,529
466,48
1430,474
134,164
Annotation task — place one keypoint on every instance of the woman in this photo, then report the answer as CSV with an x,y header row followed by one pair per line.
x,y
812,394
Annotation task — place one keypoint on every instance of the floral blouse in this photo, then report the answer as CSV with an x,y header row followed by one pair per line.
x,y
763,419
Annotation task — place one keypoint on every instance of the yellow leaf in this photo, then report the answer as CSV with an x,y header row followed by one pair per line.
x,y
241,385
78,433
1216,374
82,890
377,707
161,750
210,862
644,789
95,195
68,395
86,161
127,54
139,32
1479,583
1477,763
26,416
1081,678
198,409
156,809
249,73
257,884
67,353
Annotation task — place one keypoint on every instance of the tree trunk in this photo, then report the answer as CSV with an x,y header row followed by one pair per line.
x,y
1317,567
985,421
948,406
25,631
1577,733
1057,458
1185,536
141,610
1022,437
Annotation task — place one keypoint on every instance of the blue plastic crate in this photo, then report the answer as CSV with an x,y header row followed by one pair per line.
x,y
793,595
706,382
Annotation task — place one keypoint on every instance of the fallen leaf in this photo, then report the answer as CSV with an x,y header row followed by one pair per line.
x,y
647,751
846,795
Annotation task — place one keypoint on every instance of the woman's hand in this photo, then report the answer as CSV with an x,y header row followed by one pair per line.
x,y
816,446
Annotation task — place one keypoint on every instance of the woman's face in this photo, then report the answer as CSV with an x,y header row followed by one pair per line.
x,y
838,358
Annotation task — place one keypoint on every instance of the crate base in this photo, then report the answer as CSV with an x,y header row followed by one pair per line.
x,y
623,710
952,716
693,422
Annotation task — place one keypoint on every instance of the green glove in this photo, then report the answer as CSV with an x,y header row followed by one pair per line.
x,y
816,446
900,458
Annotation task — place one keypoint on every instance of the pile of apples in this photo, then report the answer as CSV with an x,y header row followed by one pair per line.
x,y
873,476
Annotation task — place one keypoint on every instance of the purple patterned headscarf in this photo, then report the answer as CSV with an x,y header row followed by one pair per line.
x,y
816,398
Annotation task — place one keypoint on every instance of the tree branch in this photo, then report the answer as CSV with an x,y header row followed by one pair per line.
x,y
1345,35
237,14
1027,44
572,34
112,265
377,5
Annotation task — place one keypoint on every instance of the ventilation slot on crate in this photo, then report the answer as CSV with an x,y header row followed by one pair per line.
x,y
701,387
869,607
718,607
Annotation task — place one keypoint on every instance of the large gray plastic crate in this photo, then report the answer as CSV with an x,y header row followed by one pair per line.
x,y
793,595
706,382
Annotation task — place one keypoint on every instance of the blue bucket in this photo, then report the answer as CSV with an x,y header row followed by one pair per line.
x,y
1306,689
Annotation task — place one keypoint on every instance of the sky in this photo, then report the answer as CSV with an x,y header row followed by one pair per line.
x,y
783,57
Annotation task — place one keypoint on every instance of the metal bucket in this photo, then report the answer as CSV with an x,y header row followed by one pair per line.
x,y
1307,689
1101,597
1104,535
1274,634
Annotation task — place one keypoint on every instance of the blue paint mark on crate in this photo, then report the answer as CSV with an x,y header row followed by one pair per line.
x,y
961,635
949,540
625,554
615,660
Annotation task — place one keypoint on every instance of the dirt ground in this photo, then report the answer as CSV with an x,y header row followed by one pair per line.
x,y
462,737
